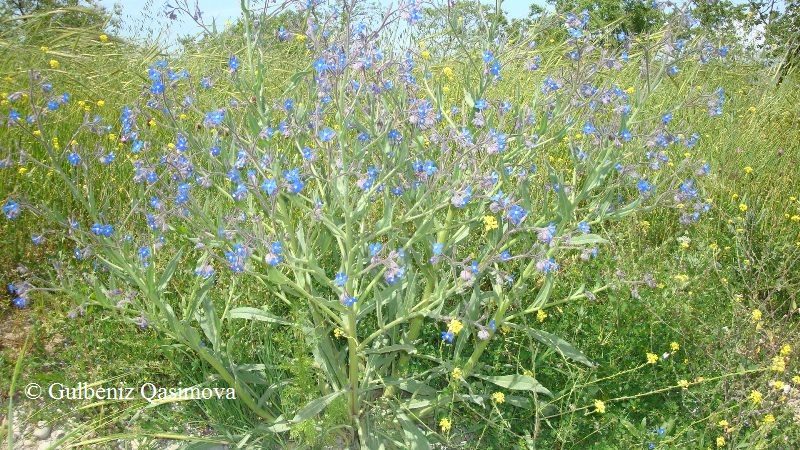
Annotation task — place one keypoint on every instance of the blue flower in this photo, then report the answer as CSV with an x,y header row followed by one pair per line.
x,y
666,118
375,248
326,134
157,87
643,186
20,302
448,336
144,254
37,239
437,248
214,118
236,258
11,209
480,104
340,279
269,186
589,128
288,105
14,116
233,63
505,255
517,214
460,200
74,159
348,300
321,66
584,228
307,153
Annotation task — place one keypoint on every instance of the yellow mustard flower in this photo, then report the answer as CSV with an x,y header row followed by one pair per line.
x,y
786,350
445,425
778,364
541,315
103,37
652,358
683,383
600,406
756,315
674,346
769,419
455,326
54,64
755,397
457,374
742,207
720,441
499,398
490,223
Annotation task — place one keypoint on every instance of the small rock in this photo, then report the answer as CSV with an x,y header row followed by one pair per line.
x,y
41,433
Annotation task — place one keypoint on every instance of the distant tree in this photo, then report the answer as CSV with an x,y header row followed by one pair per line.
x,y
73,13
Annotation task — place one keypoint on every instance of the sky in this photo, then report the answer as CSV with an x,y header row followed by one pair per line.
x,y
146,18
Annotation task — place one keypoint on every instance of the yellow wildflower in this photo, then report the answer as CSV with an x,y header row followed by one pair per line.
x,y
541,315
44,48
499,398
445,425
769,419
101,103
755,397
778,364
778,384
426,55
599,406
723,423
683,383
748,170
720,441
300,37
652,358
674,346
457,374
54,64
490,223
448,72
338,333
756,315
455,326
786,350
742,207
22,170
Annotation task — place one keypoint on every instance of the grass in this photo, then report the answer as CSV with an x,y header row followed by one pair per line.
x,y
704,294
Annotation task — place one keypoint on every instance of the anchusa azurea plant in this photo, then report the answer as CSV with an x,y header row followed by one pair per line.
x,y
407,203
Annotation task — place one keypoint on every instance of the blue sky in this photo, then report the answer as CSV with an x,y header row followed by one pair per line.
x,y
145,18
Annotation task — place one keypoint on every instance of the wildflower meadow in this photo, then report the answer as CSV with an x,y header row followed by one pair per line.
x,y
401,224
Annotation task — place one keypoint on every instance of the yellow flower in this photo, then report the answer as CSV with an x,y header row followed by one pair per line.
x,y
445,425
338,332
630,90
457,374
54,64
499,398
37,133
44,48
723,423
720,441
652,358
786,350
795,218
541,315
796,379
101,103
300,37
674,346
171,146
778,385
490,223
599,406
22,170
755,397
769,419
151,122
644,224
103,37
778,364
683,383
742,207
448,72
426,55
756,315
681,278
748,170
455,326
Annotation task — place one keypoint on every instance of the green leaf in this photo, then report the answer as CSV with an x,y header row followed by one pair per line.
x,y
392,348
468,99
561,346
315,407
210,323
169,271
516,382
586,239
249,313
415,438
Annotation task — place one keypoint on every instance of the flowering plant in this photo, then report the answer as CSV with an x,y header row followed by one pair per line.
x,y
402,212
